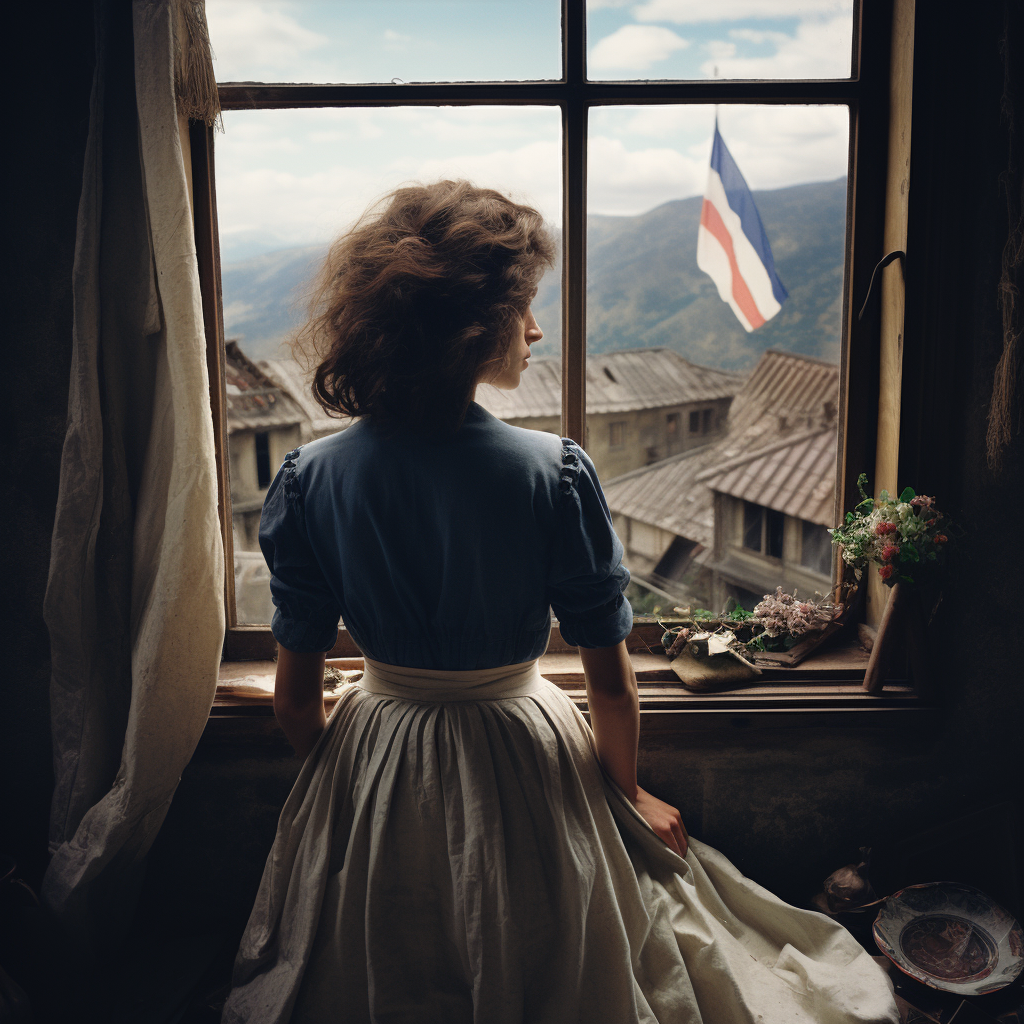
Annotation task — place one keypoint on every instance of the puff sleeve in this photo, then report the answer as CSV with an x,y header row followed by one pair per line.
x,y
586,577
307,612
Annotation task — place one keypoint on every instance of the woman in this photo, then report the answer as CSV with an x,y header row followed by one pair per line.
x,y
452,850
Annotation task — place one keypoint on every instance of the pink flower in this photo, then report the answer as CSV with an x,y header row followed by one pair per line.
x,y
941,538
922,501
886,571
889,552
883,528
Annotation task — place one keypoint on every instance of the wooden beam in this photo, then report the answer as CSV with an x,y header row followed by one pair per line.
x,y
897,199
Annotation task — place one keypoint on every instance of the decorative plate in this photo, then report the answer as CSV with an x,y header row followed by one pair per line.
x,y
951,937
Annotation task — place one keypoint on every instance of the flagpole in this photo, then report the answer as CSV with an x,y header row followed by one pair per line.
x,y
715,76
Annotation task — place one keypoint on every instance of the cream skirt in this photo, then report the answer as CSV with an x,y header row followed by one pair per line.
x,y
452,853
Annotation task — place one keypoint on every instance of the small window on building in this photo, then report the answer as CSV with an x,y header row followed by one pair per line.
x,y
707,421
815,548
263,476
672,424
616,435
694,422
775,528
763,529
753,521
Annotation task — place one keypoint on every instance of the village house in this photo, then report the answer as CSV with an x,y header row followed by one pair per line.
x,y
264,423
293,378
643,405
746,513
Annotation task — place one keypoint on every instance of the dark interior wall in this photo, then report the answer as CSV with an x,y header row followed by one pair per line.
x,y
787,805
52,63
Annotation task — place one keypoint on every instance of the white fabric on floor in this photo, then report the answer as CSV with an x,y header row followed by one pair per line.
x,y
134,603
452,852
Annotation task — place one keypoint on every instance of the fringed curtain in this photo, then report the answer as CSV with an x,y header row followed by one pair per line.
x,y
134,603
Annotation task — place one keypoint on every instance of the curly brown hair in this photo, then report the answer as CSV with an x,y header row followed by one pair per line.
x,y
418,298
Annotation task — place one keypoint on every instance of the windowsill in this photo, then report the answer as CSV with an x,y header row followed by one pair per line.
x,y
825,690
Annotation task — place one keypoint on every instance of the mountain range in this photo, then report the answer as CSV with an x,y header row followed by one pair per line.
x,y
644,287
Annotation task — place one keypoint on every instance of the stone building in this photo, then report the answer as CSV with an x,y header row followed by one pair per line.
x,y
748,512
643,405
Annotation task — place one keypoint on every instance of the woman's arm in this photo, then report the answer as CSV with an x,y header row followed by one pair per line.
x,y
614,712
299,697
615,718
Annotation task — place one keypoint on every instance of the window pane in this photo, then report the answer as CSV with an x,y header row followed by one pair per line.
x,y
753,526
759,406
409,40
774,532
288,181
816,548
742,39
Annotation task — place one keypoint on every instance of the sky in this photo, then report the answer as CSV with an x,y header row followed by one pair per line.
x,y
298,177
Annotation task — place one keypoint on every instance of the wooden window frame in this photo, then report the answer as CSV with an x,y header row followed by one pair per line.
x,y
866,93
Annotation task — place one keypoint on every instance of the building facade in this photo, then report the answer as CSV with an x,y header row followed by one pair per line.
x,y
643,405
750,510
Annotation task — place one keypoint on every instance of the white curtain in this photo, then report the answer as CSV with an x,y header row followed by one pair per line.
x,y
134,603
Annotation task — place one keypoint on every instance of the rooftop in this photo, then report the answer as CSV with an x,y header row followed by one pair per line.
x,y
795,476
638,378
779,451
255,401
296,381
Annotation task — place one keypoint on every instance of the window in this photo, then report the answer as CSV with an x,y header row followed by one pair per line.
x,y
545,119
815,548
263,473
764,530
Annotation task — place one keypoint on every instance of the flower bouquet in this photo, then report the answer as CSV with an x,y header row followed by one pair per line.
x,y
908,539
902,536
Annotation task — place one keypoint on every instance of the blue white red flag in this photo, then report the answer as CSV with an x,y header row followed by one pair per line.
x,y
732,247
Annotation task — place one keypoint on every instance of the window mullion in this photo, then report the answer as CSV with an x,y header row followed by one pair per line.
x,y
574,222
574,263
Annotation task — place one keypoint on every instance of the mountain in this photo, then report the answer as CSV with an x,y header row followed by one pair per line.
x,y
643,284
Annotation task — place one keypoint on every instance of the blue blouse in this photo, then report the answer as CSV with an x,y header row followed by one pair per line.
x,y
443,553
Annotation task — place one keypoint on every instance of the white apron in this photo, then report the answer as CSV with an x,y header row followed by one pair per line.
x,y
452,853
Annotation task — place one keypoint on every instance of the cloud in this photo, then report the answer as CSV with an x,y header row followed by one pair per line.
x,y
304,207
689,12
396,42
635,46
774,146
624,182
255,40
819,49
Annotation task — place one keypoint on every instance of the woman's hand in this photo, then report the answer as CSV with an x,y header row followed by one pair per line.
x,y
664,819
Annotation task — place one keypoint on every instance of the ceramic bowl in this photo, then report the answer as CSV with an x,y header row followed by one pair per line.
x,y
951,937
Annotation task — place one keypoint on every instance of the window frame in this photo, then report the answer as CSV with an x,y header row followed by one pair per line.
x,y
866,93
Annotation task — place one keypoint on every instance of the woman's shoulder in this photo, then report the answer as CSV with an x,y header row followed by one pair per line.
x,y
324,454
535,449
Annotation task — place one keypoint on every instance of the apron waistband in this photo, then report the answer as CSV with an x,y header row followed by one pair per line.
x,y
427,684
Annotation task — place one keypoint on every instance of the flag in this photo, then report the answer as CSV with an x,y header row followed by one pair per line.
x,y
732,247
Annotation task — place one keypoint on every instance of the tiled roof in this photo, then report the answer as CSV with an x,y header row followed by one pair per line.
x,y
295,380
255,402
795,476
779,451
639,378
668,495
785,387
